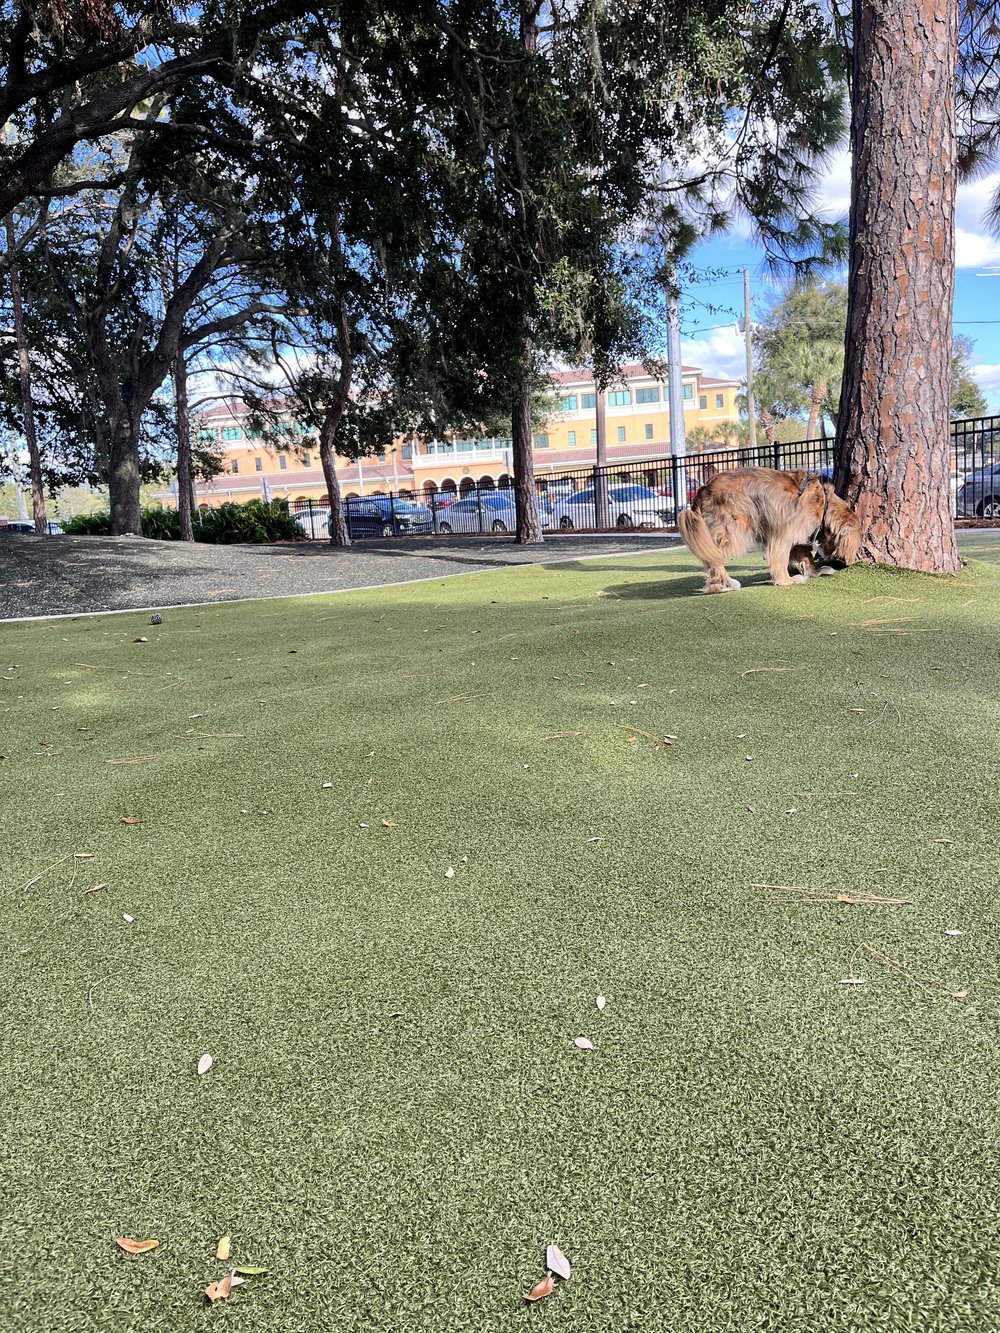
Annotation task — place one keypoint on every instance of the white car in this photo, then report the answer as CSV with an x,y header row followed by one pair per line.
x,y
629,506
491,511
313,522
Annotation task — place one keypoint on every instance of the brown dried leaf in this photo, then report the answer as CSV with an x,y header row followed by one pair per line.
x,y
224,1248
959,994
130,819
224,1287
388,823
141,639
95,888
543,1287
212,1292
131,1246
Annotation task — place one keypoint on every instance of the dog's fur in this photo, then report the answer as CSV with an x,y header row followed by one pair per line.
x,y
790,514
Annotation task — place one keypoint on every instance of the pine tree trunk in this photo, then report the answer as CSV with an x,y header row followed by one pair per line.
x,y
893,450
815,408
123,480
184,471
24,377
528,526
339,535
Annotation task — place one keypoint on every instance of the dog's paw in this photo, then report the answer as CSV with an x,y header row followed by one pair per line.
x,y
800,578
827,571
734,585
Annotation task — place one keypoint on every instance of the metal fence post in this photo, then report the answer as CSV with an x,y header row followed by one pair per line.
x,y
479,508
675,486
392,513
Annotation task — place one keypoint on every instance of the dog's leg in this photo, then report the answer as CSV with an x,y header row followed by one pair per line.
x,y
719,581
778,554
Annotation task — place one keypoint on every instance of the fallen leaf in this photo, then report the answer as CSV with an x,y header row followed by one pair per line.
x,y
583,1044
631,740
95,888
205,1064
959,994
388,823
954,932
600,1001
544,1287
223,1287
246,1268
327,784
556,1262
212,1292
852,981
135,1246
141,639
793,810
127,919
944,842
224,1248
130,819
450,873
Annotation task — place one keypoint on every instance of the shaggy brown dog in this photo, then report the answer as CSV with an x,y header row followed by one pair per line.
x,y
793,515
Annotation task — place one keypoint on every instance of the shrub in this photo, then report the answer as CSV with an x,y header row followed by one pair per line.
x,y
255,521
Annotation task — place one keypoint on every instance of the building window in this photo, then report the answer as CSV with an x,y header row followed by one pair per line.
x,y
208,435
571,438
307,460
589,400
621,434
703,401
232,433
380,455
259,464
303,428
234,466
688,392
282,462
541,441
620,398
568,404
649,430
647,395
593,437
719,400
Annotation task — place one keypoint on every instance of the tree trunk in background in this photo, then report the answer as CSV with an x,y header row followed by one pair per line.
x,y
893,444
528,527
339,536
123,480
602,501
184,472
815,408
24,377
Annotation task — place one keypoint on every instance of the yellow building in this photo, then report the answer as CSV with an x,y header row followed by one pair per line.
x,y
638,428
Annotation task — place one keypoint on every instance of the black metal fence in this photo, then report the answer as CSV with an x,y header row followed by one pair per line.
x,y
641,494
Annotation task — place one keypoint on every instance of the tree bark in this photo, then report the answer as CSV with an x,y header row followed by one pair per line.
x,y
602,506
184,471
528,527
893,448
816,398
24,378
124,480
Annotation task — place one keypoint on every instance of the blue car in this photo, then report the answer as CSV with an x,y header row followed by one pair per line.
x,y
382,516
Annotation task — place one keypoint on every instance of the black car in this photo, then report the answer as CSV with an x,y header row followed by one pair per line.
x,y
382,516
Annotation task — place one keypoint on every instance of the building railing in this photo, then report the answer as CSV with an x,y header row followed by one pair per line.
x,y
642,494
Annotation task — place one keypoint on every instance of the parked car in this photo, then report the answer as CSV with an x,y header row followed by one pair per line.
x,y
489,511
979,494
628,507
26,525
314,522
382,516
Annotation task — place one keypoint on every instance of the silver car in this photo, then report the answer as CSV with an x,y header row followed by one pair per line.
x,y
629,506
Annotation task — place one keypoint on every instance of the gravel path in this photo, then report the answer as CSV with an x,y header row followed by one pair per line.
x,y
41,576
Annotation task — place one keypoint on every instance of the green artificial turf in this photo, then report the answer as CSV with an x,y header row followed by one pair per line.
x,y
397,1122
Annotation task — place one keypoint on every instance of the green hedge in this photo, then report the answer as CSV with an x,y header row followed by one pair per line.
x,y
255,521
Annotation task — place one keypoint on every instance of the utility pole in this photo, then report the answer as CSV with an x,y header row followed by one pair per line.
x,y
751,407
675,403
602,514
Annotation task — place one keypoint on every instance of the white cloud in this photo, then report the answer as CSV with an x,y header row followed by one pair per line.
x,y
988,379
721,353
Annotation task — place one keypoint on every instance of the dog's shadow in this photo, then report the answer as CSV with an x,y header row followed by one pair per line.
x,y
692,586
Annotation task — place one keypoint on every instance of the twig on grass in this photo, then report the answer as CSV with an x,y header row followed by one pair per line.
x,y
136,759
756,671
845,899
90,993
922,979
461,698
657,740
77,856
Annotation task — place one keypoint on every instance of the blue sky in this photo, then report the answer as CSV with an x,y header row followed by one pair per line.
x,y
719,350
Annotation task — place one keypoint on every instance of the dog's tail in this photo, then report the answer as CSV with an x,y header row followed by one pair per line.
x,y
696,535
